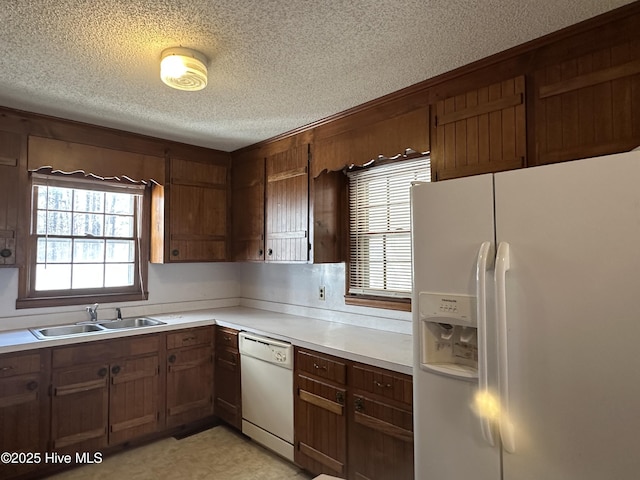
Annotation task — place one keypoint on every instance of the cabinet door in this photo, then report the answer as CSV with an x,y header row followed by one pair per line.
x,y
24,412
320,427
134,395
380,440
247,203
227,380
588,106
80,408
287,212
10,152
189,385
198,211
480,131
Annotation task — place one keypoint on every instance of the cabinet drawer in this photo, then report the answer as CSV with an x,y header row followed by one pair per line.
x,y
187,338
385,383
227,337
322,366
12,364
99,351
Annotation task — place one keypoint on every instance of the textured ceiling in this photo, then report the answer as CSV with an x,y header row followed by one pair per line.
x,y
273,65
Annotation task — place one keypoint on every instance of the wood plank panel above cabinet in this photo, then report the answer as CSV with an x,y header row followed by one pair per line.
x,y
588,105
479,131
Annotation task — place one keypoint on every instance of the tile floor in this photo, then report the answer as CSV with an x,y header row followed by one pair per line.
x,y
219,453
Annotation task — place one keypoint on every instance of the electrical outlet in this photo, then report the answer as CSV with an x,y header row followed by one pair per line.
x,y
321,293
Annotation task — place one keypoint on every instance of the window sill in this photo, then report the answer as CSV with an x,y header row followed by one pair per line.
x,y
61,301
402,304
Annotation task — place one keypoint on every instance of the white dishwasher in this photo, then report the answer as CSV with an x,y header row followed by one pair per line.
x,y
267,392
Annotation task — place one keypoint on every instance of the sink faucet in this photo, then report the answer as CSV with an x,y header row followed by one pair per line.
x,y
93,312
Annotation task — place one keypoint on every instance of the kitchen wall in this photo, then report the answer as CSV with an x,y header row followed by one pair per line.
x,y
291,289
294,289
171,288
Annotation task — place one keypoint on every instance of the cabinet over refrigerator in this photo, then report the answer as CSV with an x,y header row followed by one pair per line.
x,y
526,320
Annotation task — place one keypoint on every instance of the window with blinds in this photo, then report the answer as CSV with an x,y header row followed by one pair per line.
x,y
380,227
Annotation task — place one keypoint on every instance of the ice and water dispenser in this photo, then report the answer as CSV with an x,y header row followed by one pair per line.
x,y
449,334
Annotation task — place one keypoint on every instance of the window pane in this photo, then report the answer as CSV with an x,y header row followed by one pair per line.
x,y
118,226
88,276
54,250
121,203
88,251
88,201
53,277
53,223
55,198
87,224
118,275
120,251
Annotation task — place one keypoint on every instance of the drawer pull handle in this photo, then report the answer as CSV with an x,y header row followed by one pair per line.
x,y
4,369
319,367
115,369
227,339
382,385
171,359
188,339
340,398
5,253
103,372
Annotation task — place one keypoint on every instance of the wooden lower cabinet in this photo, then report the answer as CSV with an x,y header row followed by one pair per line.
x,y
351,420
228,396
134,400
189,376
24,408
320,420
108,402
380,424
80,408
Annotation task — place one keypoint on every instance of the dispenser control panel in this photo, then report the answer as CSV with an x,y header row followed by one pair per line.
x,y
460,307
449,334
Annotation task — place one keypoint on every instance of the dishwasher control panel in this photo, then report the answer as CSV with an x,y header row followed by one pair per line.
x,y
266,349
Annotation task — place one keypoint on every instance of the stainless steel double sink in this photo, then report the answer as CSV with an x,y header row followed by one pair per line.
x,y
45,333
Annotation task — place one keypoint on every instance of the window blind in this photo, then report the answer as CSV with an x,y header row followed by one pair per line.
x,y
380,227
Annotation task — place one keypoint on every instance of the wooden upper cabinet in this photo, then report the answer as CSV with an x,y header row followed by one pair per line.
x,y
480,131
11,159
189,215
247,207
589,105
287,206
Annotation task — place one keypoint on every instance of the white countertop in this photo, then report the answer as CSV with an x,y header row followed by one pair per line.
x,y
374,347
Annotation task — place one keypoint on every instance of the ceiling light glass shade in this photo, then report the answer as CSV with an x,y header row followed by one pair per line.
x,y
184,69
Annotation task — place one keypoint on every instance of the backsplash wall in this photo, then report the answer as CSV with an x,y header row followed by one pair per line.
x,y
294,288
172,288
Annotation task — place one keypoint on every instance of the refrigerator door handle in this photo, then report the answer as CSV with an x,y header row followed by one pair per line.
x,y
502,266
481,307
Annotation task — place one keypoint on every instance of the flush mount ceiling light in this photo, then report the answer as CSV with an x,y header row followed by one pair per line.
x,y
183,69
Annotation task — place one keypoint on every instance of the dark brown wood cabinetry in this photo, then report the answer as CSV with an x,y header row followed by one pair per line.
x,y
105,393
24,408
380,424
320,413
228,397
247,203
287,206
11,159
190,214
351,420
189,375
480,131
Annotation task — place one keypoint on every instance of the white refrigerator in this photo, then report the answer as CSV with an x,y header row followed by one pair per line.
x,y
526,323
